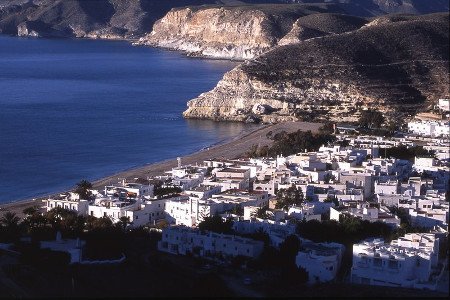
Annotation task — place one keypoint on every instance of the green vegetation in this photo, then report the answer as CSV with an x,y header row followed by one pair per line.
x,y
349,231
216,224
403,152
288,197
261,213
166,191
83,188
371,119
292,143
9,227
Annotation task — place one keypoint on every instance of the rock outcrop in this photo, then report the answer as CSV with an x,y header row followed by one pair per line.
x,y
109,19
397,65
245,31
231,32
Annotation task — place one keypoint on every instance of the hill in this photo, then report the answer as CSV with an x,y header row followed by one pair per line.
x,y
396,64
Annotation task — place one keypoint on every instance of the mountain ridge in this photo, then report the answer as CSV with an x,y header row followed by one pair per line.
x,y
396,64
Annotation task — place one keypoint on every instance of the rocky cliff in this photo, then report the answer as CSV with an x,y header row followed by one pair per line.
x,y
110,19
396,64
245,31
232,32
118,19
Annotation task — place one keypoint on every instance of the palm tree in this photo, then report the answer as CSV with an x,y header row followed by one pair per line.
x,y
10,230
261,213
83,189
29,211
124,222
9,220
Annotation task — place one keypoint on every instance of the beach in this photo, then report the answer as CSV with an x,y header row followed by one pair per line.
x,y
230,149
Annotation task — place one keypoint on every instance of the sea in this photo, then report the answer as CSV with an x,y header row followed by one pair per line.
x,y
73,109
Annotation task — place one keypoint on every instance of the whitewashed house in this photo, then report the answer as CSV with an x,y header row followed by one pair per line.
x,y
399,264
321,260
183,240
69,201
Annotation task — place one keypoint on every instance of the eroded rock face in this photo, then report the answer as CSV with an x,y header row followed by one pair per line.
x,y
214,32
230,32
395,67
109,19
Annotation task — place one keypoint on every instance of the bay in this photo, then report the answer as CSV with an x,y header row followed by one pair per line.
x,y
83,109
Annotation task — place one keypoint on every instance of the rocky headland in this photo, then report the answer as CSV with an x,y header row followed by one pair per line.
x,y
396,64
233,32
106,19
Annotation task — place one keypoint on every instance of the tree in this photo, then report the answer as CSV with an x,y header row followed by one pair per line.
x,y
371,119
163,191
124,222
238,210
328,177
261,213
29,211
289,249
10,220
216,224
83,189
10,230
289,270
288,197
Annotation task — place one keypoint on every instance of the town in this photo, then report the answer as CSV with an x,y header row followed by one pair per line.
x,y
357,209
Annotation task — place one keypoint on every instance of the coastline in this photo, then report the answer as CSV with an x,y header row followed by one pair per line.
x,y
226,149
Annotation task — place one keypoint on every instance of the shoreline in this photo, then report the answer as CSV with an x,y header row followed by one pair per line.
x,y
227,149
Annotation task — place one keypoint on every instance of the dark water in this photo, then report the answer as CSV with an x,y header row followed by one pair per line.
x,y
74,109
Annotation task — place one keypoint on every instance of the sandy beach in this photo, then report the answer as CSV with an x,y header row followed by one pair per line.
x,y
229,150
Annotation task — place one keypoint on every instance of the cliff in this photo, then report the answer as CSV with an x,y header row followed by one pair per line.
x,y
109,19
231,32
396,64
132,19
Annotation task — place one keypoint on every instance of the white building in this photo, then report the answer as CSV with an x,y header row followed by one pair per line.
x,y
321,260
183,240
399,264
190,211
303,212
444,105
73,247
277,232
430,128
71,202
387,188
129,190
203,191
366,212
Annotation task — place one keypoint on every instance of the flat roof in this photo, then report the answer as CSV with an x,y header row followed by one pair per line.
x,y
234,170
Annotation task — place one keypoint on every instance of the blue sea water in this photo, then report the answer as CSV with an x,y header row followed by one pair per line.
x,y
74,109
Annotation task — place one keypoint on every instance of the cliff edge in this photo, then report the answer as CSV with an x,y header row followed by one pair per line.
x,y
396,64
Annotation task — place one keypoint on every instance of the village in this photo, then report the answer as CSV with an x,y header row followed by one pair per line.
x,y
390,193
